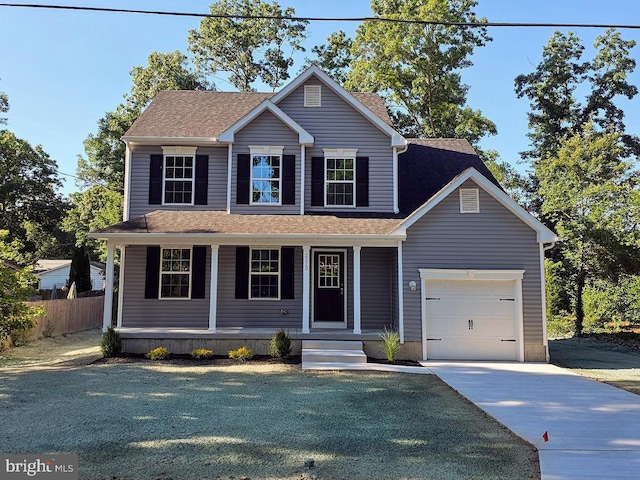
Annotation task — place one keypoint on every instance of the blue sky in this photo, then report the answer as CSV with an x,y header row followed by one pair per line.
x,y
63,70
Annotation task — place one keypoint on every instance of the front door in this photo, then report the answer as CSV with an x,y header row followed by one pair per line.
x,y
329,289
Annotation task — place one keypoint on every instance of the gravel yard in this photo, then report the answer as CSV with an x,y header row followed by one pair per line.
x,y
163,421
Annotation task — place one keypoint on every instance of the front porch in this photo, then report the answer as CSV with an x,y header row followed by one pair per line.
x,y
236,333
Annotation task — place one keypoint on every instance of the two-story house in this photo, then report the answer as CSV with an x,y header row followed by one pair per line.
x,y
306,210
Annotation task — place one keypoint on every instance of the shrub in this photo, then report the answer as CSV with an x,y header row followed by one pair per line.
x,y
110,343
391,342
200,353
241,354
280,344
159,353
562,325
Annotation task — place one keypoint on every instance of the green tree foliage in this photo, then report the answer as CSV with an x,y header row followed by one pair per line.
x,y
91,210
80,270
334,57
4,107
587,191
15,287
248,49
30,208
417,67
612,306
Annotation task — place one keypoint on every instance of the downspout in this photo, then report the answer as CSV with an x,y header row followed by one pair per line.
x,y
400,294
229,169
303,160
543,249
396,153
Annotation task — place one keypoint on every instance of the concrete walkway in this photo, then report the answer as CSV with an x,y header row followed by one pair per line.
x,y
593,428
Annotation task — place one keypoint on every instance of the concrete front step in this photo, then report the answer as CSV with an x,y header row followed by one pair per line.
x,y
332,344
325,354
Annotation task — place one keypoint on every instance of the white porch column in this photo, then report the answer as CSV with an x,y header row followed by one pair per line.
x,y
108,290
306,288
120,287
356,291
401,294
213,288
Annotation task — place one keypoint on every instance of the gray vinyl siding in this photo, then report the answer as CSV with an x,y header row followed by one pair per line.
x,y
139,185
266,129
246,313
491,239
138,311
375,288
336,124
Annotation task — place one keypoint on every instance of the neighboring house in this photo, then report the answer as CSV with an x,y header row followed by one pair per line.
x,y
306,210
56,273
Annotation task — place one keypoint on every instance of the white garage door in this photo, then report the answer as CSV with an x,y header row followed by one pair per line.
x,y
471,320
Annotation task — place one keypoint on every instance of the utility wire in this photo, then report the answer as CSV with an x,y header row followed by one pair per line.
x,y
327,19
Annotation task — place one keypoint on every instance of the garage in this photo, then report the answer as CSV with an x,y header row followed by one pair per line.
x,y
472,315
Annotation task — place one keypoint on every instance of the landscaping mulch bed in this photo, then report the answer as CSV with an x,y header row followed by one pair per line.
x,y
384,361
216,360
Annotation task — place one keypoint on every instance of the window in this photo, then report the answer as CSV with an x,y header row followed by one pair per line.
x,y
312,96
340,177
178,175
175,273
266,175
469,200
264,274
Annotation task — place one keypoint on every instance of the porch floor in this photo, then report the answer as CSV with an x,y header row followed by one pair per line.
x,y
248,333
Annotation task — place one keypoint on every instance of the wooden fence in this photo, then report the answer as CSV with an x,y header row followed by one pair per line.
x,y
67,316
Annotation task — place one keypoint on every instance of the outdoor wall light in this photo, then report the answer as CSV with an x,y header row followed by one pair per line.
x,y
412,285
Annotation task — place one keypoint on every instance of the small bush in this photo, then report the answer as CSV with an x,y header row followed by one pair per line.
x,y
110,343
391,343
561,326
201,353
280,344
242,354
159,353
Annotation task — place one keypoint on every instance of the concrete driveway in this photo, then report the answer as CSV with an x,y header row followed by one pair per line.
x,y
593,428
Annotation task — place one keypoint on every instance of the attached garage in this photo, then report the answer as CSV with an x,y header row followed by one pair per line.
x,y
472,314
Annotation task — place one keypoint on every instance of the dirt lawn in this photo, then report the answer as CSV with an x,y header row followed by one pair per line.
x,y
606,362
160,421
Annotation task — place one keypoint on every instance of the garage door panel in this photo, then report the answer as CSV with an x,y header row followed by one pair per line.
x,y
471,319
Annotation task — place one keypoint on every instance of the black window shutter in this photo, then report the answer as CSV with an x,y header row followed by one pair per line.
x,y
198,271
362,181
317,181
155,180
243,177
152,281
202,179
242,272
288,179
287,276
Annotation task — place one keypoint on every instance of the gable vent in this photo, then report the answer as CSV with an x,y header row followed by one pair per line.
x,y
469,200
312,95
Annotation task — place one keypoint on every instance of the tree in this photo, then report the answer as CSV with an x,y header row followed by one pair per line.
x,y
248,49
334,57
417,67
15,287
91,210
80,270
587,191
29,203
4,107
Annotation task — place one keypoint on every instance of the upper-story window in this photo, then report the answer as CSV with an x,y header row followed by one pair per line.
x,y
178,182
340,177
266,175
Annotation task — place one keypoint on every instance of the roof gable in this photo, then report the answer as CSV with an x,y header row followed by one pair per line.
x,y
397,140
304,137
543,234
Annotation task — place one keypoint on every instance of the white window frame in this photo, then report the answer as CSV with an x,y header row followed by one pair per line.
x,y
190,273
178,151
470,191
271,151
339,154
309,92
269,299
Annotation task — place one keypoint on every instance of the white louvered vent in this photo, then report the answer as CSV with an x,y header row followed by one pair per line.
x,y
469,200
312,95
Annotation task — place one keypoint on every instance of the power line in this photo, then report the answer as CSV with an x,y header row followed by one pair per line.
x,y
326,19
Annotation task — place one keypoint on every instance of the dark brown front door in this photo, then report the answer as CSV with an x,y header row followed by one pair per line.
x,y
328,287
